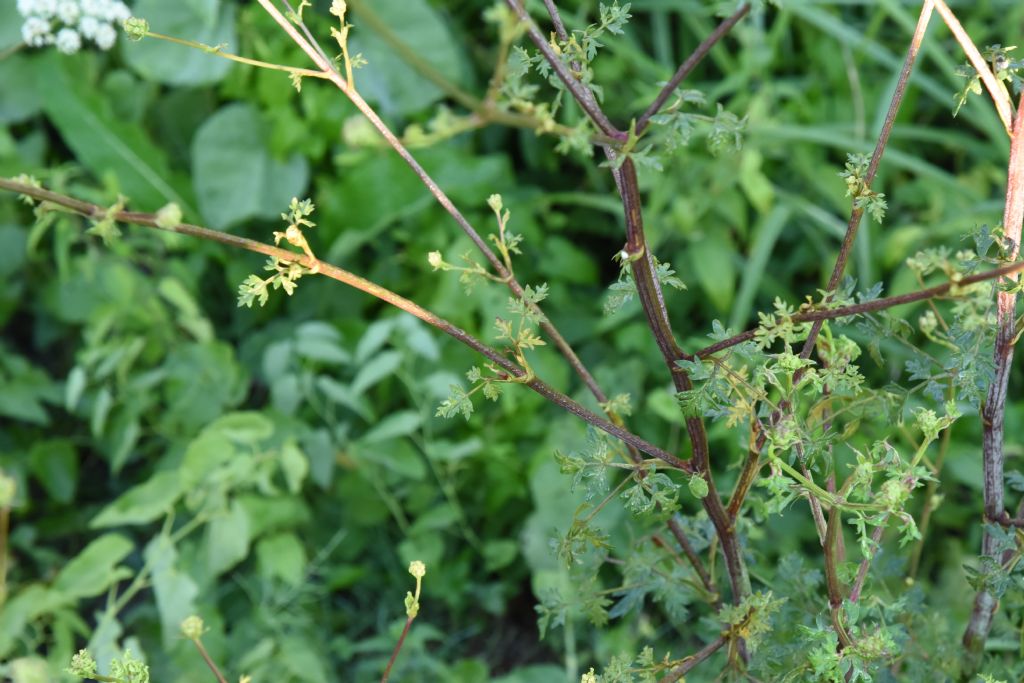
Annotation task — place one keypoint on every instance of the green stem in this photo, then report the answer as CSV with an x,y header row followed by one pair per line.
x,y
305,73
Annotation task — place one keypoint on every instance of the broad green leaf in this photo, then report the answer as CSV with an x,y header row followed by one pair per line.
x,y
143,503
387,79
396,455
447,451
664,405
74,387
286,394
235,177
94,569
303,661
203,380
55,464
537,673
103,143
248,427
19,97
282,556
10,25
436,518
29,670
227,539
376,369
205,21
23,607
204,454
756,185
393,426
318,341
766,234
317,445
374,338
13,242
294,465
268,514
343,395
25,387
418,338
175,591
190,316
104,643
427,548
499,553
712,262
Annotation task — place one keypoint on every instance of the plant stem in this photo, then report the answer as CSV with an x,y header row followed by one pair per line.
x,y
693,660
1001,98
747,473
865,563
832,583
581,93
651,300
874,305
687,66
550,330
876,157
412,57
556,20
398,646
305,73
993,411
149,220
680,535
929,506
5,513
209,661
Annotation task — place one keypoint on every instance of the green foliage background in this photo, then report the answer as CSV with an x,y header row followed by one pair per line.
x,y
277,468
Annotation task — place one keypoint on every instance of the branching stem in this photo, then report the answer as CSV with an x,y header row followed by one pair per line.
x,y
335,273
687,66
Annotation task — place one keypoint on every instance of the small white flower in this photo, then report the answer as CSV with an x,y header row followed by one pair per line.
x,y
26,7
36,32
68,41
119,12
105,36
42,8
89,26
68,11
93,8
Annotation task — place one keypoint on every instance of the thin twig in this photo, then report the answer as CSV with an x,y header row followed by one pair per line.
x,y
305,73
687,66
556,20
876,157
398,647
411,56
149,220
871,306
546,325
581,93
209,661
693,660
865,563
747,473
1007,520
691,555
1000,97
929,503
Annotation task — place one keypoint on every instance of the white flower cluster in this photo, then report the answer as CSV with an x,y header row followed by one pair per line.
x,y
68,23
